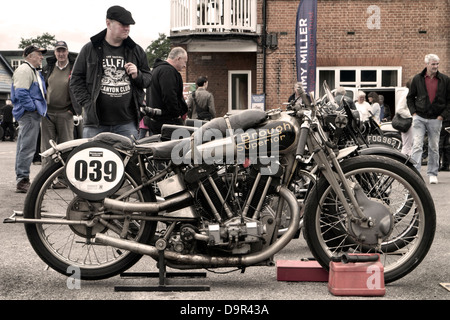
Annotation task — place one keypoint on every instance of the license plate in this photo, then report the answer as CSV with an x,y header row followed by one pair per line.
x,y
391,141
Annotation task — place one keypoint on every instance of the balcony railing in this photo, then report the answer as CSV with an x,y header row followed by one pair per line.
x,y
197,16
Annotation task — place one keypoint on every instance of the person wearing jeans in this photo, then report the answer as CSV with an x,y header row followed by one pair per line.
x,y
420,127
28,97
127,130
429,103
109,78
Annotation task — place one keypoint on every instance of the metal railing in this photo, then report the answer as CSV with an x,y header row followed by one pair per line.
x,y
213,15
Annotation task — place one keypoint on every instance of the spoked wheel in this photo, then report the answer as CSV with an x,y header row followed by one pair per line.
x,y
409,223
62,246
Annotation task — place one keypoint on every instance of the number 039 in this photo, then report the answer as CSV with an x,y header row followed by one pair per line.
x,y
95,171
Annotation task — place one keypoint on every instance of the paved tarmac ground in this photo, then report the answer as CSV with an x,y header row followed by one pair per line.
x,y
23,276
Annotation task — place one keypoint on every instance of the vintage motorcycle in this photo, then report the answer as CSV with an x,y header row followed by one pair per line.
x,y
223,193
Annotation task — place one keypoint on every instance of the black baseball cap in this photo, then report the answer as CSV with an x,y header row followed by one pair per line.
x,y
61,44
120,14
31,49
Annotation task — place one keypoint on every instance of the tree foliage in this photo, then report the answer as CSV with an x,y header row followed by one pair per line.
x,y
45,41
159,48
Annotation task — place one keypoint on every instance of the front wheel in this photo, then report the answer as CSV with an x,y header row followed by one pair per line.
x,y
65,247
329,231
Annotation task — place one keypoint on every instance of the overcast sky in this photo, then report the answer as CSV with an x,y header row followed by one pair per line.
x,y
78,20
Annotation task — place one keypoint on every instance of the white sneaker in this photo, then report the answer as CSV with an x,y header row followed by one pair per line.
x,y
433,180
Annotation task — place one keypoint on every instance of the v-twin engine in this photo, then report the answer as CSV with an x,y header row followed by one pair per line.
x,y
210,221
225,223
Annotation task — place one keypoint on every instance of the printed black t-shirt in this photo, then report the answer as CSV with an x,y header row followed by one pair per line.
x,y
114,100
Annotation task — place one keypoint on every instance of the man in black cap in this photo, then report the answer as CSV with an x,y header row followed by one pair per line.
x,y
28,97
109,78
58,125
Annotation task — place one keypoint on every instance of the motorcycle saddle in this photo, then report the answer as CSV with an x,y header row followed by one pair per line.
x,y
116,140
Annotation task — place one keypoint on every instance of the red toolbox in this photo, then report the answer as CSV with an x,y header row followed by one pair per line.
x,y
357,278
297,270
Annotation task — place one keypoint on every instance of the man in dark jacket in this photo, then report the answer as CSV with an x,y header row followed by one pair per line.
x,y
109,78
429,103
166,91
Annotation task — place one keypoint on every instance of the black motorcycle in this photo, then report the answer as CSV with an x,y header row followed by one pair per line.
x,y
223,193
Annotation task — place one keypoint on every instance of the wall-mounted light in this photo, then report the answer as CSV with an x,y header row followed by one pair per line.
x,y
423,31
350,33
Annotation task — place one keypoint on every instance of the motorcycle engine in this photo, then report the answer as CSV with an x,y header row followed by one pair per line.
x,y
220,198
236,234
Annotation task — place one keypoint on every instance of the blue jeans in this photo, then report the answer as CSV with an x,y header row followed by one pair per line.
x,y
29,125
421,126
128,129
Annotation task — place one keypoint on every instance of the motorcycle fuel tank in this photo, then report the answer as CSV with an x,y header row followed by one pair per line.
x,y
271,138
277,136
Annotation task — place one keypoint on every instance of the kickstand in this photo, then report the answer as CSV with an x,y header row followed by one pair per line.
x,y
163,275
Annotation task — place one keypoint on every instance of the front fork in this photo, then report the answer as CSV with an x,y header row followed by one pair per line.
x,y
328,164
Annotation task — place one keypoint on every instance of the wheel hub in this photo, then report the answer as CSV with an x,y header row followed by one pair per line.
x,y
379,223
81,209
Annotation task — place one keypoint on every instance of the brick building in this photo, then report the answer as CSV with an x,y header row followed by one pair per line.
x,y
247,47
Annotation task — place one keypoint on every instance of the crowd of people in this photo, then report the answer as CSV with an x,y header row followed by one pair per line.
x,y
110,83
107,85
426,99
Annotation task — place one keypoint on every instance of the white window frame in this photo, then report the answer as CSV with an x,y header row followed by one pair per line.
x,y
358,83
230,88
15,63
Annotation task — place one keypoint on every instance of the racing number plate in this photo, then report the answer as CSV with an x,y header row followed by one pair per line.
x,y
94,170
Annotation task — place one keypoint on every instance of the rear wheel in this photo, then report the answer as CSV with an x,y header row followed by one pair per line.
x,y
62,246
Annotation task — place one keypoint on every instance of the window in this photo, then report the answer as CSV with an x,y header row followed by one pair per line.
x,y
389,78
360,77
239,94
15,63
348,75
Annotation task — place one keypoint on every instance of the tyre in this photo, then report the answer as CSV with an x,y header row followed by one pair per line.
x,y
329,231
62,246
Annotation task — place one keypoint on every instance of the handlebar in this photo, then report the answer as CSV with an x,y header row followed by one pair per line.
x,y
302,141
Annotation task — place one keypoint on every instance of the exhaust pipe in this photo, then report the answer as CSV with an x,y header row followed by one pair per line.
x,y
209,261
153,207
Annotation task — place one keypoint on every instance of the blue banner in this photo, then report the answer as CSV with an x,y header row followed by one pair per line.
x,y
305,44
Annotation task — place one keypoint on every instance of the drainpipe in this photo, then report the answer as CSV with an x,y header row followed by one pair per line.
x,y
264,39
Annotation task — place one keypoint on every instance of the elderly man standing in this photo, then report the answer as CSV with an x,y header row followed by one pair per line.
x,y
58,125
109,78
429,103
166,91
28,97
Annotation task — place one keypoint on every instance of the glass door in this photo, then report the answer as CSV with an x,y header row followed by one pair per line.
x,y
239,94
